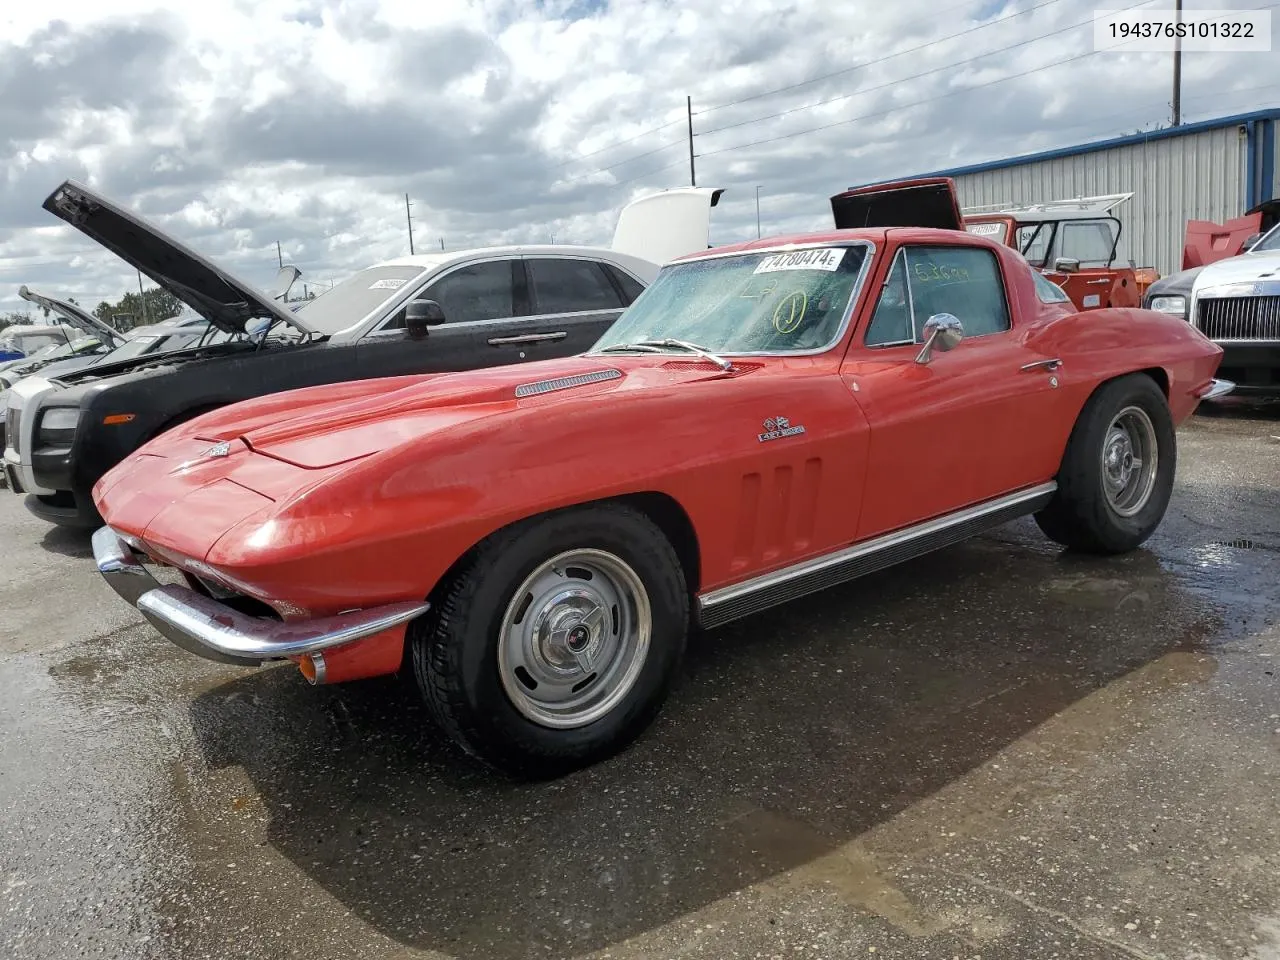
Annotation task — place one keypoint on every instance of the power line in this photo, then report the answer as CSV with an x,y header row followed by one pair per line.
x,y
903,106
672,123
914,76
632,139
1152,105
757,96
671,144
891,56
620,163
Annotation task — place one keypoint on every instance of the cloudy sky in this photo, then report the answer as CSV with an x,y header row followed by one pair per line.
x,y
240,123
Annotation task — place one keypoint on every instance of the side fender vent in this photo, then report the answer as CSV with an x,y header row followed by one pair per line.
x,y
565,383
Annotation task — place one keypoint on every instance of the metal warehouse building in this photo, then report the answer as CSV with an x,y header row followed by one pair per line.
x,y
1211,170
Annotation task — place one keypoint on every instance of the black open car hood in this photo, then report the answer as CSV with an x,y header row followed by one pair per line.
x,y
927,202
221,298
74,315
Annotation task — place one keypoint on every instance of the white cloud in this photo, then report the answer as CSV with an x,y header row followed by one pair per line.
x,y
239,123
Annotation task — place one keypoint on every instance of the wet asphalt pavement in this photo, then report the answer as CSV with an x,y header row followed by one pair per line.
x,y
998,751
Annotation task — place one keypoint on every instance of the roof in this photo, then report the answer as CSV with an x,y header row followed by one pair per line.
x,y
429,260
35,328
832,238
1097,145
1039,216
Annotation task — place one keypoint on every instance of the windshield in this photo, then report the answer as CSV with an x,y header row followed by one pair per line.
x,y
1269,243
765,302
356,297
79,345
134,347
45,352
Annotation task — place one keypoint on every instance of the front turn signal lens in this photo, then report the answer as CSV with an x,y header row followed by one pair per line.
x,y
115,419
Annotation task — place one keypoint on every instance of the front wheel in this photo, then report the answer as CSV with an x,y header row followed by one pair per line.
x,y
1117,473
557,640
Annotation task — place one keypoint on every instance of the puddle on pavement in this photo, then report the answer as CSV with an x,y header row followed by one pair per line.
x,y
790,737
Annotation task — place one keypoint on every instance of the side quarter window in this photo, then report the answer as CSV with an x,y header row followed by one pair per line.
x,y
891,323
1047,290
962,281
563,285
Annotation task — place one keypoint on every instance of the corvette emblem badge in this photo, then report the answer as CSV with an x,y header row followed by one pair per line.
x,y
218,449
775,428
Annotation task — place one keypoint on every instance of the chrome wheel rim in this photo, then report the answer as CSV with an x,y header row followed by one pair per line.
x,y
574,638
1130,458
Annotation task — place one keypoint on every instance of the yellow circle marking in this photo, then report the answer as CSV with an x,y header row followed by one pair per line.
x,y
789,312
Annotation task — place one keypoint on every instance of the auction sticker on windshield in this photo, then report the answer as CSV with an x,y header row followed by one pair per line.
x,y
827,258
386,284
984,229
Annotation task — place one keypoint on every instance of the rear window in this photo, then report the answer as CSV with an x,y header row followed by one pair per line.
x,y
564,285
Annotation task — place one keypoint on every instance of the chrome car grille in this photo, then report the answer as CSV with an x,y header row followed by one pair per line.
x,y
1239,318
12,417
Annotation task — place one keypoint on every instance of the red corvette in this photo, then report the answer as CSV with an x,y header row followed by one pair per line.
x,y
767,420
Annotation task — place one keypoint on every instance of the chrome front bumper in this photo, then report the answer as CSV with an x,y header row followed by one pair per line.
x,y
215,631
1216,389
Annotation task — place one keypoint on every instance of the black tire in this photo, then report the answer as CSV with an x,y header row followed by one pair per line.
x,y
1081,516
454,648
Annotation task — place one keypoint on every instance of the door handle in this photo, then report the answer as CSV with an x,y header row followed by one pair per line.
x,y
527,338
1053,364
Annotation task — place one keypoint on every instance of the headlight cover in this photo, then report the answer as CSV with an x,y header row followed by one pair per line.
x,y
1174,305
57,426
60,418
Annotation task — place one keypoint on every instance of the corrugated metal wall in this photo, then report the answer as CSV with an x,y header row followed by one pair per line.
x,y
1199,176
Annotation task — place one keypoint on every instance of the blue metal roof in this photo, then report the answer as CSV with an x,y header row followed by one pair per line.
x,y
1133,138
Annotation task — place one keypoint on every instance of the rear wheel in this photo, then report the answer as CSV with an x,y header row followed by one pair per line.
x,y
557,640
1117,473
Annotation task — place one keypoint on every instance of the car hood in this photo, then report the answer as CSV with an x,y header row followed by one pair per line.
x,y
926,202
101,368
68,365
226,301
1242,269
74,315
320,427
275,456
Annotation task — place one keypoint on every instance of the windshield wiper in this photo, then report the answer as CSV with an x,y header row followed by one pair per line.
x,y
657,346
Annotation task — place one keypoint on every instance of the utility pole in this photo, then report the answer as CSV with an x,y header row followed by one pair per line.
x,y
279,255
757,211
693,179
143,298
442,243
408,217
1177,69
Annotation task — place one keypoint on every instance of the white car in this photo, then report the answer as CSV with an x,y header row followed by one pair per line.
x,y
1236,304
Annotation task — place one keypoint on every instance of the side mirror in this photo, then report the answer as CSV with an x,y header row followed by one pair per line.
x,y
1066,264
1250,243
942,332
420,316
